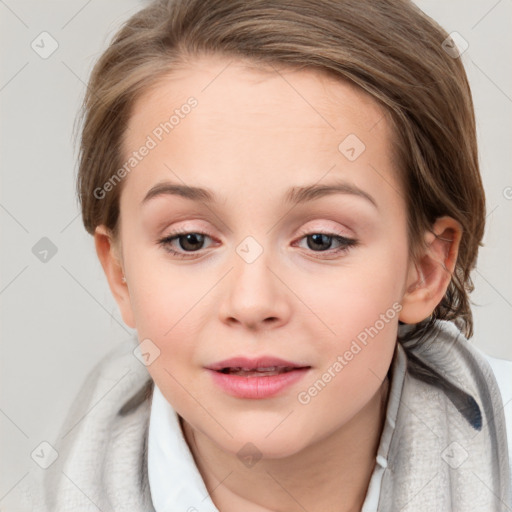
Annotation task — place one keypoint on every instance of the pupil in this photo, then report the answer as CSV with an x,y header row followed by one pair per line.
x,y
318,238
191,238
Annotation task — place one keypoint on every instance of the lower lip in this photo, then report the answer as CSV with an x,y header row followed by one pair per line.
x,y
257,387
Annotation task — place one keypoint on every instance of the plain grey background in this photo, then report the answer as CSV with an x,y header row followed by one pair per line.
x,y
58,317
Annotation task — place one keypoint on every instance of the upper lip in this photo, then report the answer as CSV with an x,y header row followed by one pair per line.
x,y
255,363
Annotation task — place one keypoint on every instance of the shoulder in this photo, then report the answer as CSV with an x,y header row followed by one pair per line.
x,y
502,371
105,429
446,357
110,387
110,382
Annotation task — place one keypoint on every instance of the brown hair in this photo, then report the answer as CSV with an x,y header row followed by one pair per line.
x,y
389,48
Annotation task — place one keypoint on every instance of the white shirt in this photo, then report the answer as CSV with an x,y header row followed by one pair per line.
x,y
174,480
177,486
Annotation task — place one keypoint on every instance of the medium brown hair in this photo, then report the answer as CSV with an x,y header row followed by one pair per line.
x,y
388,48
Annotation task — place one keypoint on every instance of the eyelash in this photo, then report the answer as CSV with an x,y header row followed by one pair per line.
x,y
346,243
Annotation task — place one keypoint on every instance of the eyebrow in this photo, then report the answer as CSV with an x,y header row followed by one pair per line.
x,y
295,195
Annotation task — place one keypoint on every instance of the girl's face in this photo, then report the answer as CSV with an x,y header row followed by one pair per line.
x,y
297,250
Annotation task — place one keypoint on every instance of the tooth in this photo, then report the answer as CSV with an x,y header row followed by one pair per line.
x,y
253,372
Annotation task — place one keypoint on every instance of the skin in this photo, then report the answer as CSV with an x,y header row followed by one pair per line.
x,y
254,134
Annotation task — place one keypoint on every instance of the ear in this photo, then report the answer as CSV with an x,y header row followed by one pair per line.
x,y
429,276
111,261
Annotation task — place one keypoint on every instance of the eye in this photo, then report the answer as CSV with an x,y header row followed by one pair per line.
x,y
189,241
322,242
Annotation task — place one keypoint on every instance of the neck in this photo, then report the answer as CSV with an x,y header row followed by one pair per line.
x,y
332,474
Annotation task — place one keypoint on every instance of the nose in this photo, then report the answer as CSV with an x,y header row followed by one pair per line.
x,y
255,296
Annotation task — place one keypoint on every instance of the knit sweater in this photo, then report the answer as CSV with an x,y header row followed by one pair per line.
x,y
444,404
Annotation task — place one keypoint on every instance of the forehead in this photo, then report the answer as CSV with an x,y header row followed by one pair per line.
x,y
227,86
255,127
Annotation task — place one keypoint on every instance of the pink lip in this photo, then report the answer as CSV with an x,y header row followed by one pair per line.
x,y
256,387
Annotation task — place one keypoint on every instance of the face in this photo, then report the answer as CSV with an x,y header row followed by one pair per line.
x,y
305,285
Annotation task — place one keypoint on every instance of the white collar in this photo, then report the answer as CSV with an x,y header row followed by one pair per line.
x,y
175,482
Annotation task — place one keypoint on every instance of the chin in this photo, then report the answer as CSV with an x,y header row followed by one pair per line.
x,y
258,443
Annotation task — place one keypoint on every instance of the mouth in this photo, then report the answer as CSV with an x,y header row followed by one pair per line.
x,y
257,367
257,372
258,378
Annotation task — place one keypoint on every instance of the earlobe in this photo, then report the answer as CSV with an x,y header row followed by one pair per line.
x,y
430,275
110,258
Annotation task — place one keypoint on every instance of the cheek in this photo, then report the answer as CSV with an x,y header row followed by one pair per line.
x,y
356,335
355,296
356,350
166,308
170,305
165,305
160,291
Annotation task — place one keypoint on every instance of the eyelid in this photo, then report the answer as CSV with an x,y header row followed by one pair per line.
x,y
326,231
185,228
